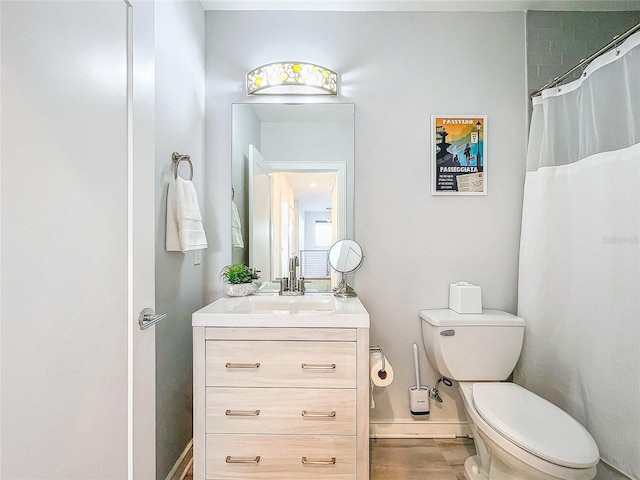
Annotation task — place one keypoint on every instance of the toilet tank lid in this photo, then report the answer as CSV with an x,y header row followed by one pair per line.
x,y
445,317
535,424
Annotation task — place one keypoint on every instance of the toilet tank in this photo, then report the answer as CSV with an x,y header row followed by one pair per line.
x,y
472,347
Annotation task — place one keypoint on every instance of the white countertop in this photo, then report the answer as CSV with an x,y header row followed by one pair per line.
x,y
312,310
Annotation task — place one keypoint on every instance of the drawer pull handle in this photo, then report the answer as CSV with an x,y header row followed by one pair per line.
x,y
231,459
306,461
242,365
242,413
319,366
306,413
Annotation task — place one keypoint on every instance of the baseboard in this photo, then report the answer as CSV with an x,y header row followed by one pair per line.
x,y
179,470
418,429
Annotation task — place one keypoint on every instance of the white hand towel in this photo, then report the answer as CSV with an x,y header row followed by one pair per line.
x,y
172,239
183,211
236,227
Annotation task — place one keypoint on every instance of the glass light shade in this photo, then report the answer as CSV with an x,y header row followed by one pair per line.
x,y
292,78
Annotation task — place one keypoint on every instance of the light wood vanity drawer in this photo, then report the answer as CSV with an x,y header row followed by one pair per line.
x,y
281,411
313,334
280,457
280,364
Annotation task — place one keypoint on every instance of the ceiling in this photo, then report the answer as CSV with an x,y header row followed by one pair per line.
x,y
423,5
315,198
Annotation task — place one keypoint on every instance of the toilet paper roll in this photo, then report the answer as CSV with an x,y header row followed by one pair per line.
x,y
376,378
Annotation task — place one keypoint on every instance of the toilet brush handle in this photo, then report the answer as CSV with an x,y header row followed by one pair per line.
x,y
415,364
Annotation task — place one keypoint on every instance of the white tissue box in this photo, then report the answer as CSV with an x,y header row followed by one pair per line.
x,y
465,298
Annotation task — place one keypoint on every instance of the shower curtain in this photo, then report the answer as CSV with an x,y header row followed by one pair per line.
x,y
579,288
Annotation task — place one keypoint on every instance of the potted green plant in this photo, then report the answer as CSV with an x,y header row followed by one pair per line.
x,y
239,280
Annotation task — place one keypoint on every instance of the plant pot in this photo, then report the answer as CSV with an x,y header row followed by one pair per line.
x,y
239,289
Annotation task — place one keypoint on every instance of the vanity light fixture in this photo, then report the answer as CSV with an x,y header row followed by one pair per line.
x,y
292,78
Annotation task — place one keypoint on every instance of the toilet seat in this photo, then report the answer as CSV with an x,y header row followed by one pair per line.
x,y
534,424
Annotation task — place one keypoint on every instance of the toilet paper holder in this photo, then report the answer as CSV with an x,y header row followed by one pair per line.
x,y
383,371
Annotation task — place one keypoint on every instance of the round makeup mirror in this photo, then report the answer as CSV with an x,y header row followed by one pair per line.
x,y
345,256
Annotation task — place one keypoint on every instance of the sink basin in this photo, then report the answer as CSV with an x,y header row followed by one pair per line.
x,y
323,304
312,309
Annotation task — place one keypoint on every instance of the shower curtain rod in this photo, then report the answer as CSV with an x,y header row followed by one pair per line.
x,y
583,63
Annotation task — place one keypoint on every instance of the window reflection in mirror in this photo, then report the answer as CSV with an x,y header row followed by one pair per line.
x,y
292,178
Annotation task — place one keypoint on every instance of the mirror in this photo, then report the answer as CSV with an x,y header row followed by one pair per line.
x,y
292,178
345,256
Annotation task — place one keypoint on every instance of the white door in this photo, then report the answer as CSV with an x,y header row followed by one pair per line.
x,y
77,238
260,213
141,238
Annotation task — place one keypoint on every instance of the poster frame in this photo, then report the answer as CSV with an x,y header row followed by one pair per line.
x,y
447,183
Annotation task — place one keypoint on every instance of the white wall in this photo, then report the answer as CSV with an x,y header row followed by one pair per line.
x,y
64,240
307,141
398,69
179,127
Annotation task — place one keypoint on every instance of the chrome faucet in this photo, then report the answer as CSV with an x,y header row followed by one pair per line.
x,y
292,285
293,263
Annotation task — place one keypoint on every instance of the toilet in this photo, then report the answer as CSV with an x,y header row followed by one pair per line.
x,y
518,435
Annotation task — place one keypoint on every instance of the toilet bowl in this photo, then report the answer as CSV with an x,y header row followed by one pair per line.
x,y
525,436
518,435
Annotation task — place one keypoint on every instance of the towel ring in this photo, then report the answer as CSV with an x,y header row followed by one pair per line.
x,y
177,158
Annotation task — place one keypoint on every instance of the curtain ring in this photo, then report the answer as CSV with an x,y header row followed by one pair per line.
x,y
617,45
583,72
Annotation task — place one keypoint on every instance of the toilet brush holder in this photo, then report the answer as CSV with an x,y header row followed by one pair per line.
x,y
419,400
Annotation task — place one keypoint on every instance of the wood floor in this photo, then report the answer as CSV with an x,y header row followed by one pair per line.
x,y
415,459
419,459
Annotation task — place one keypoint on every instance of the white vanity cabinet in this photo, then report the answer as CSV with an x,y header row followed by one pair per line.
x,y
276,400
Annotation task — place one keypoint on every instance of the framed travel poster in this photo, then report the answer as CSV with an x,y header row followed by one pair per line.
x,y
459,155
